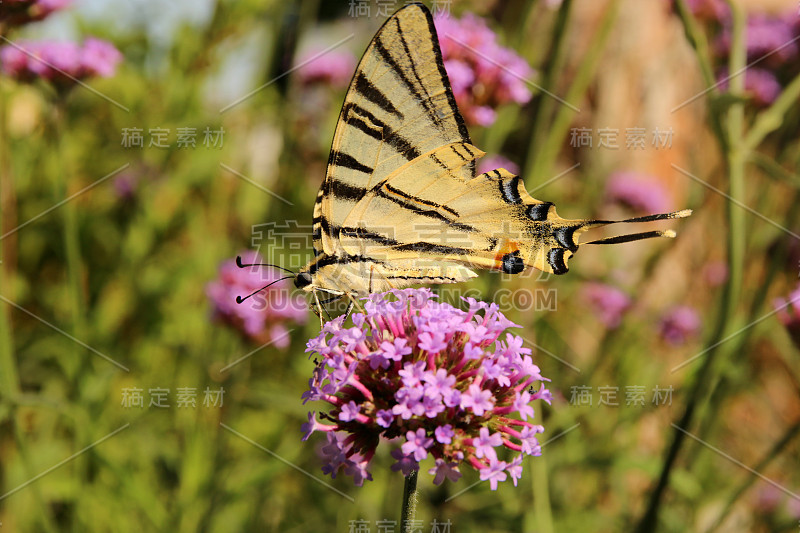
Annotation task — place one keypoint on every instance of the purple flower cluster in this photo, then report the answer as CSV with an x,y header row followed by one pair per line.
x,y
263,317
334,68
679,324
788,311
638,191
438,377
608,303
59,62
767,35
483,74
491,162
18,12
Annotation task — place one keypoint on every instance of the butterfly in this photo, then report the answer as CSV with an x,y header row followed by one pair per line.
x,y
401,203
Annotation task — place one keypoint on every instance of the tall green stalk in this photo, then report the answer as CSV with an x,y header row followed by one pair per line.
x,y
10,386
69,231
410,498
735,157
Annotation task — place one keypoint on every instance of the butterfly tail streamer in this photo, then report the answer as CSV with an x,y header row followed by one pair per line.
x,y
631,237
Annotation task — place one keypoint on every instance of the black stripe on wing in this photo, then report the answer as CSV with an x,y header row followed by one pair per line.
x,y
368,90
358,117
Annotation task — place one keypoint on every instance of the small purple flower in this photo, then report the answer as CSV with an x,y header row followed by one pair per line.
x,y
61,63
444,470
609,303
679,325
760,84
768,498
334,68
451,407
483,74
264,316
485,444
638,191
444,434
788,311
715,273
489,163
417,443
349,412
495,472
405,463
99,58
477,399
766,34
793,507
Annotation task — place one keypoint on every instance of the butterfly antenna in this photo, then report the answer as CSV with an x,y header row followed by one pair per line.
x,y
239,299
242,265
634,237
637,236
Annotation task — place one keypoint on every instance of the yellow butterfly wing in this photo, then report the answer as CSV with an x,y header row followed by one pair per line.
x,y
399,106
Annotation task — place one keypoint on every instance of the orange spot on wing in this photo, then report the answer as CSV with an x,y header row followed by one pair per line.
x,y
508,247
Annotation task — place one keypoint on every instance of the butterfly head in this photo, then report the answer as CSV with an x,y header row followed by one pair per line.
x,y
302,280
563,238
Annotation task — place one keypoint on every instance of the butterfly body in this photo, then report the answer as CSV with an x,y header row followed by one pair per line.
x,y
401,203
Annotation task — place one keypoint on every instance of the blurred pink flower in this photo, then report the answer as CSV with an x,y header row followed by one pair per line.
x,y
483,74
264,316
788,311
793,507
608,303
638,191
715,273
17,12
761,84
491,162
679,325
125,185
334,68
59,62
766,34
768,498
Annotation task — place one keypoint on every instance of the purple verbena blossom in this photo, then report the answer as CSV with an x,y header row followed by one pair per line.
x,y
766,35
608,303
334,68
263,317
680,324
61,63
640,192
489,163
761,84
445,404
483,74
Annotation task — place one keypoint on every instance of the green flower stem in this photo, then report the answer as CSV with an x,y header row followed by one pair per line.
x,y
554,64
736,157
774,452
544,158
541,495
69,229
9,374
771,118
697,39
410,497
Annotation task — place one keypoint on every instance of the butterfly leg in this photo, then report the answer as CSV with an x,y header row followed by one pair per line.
x,y
317,309
349,309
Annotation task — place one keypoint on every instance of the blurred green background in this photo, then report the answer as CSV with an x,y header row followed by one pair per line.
x,y
105,293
